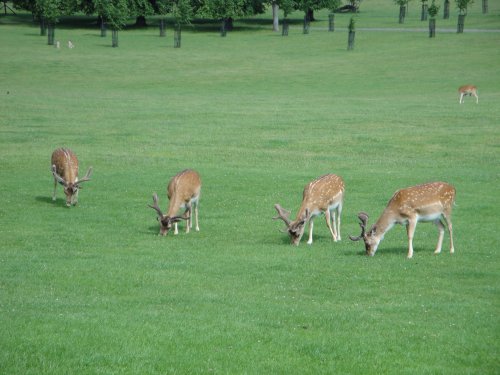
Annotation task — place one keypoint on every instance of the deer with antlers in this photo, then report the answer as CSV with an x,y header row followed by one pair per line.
x,y
428,202
183,192
470,90
65,171
323,195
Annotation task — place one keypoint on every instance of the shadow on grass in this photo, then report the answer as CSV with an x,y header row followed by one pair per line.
x,y
59,202
48,200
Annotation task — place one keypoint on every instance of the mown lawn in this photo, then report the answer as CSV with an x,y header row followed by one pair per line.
x,y
92,289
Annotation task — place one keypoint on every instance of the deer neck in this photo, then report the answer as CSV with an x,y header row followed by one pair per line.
x,y
302,211
384,223
174,205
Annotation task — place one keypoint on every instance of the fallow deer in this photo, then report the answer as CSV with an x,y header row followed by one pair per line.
x,y
470,90
427,202
183,192
65,171
323,195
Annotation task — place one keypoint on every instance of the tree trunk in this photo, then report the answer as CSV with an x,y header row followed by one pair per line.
x,y
43,26
350,40
446,11
50,33
103,28
310,15
284,31
402,13
162,27
223,31
177,36
485,6
276,21
460,25
331,22
432,28
114,38
140,21
307,24
423,16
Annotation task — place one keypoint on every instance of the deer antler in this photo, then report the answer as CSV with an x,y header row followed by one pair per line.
x,y
363,220
86,177
56,176
282,214
155,205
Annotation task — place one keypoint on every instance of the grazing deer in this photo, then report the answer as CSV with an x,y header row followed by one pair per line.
x,y
183,192
427,202
467,90
325,194
65,171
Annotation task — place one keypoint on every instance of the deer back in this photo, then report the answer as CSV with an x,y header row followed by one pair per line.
x,y
426,199
66,164
183,188
322,193
467,89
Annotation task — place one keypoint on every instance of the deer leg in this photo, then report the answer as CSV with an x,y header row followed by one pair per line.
x,y
447,218
176,231
440,226
328,217
334,225
197,228
311,225
55,187
339,211
410,229
477,98
75,197
189,222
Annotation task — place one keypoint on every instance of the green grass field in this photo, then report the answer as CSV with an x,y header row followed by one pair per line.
x,y
93,289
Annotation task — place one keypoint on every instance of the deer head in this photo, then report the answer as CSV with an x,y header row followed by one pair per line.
x,y
294,228
370,239
71,188
166,222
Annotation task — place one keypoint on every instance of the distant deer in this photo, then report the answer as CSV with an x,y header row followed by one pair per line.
x,y
323,195
470,90
70,44
65,171
183,192
427,202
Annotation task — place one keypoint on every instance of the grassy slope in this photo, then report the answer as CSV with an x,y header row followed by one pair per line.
x,y
94,290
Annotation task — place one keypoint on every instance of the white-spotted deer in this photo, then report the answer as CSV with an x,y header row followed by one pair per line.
x,y
183,192
470,90
65,171
323,195
427,202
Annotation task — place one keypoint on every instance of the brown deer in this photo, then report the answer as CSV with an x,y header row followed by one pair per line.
x,y
183,192
323,195
427,202
470,90
65,171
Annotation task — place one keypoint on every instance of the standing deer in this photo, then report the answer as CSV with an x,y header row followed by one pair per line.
x,y
65,171
183,192
467,90
427,202
325,194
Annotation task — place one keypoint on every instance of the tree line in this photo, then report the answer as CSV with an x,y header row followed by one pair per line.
x,y
116,13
